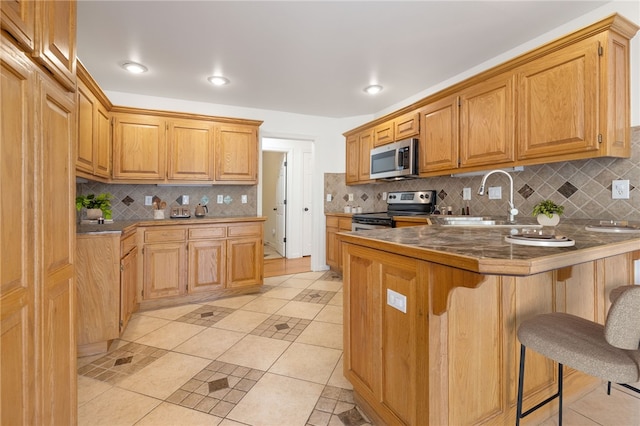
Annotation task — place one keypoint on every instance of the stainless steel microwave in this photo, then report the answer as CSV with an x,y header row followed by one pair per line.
x,y
396,160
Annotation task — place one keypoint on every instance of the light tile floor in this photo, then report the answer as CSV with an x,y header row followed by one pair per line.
x,y
272,358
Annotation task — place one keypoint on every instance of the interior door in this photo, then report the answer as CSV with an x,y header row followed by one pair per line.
x,y
307,217
281,207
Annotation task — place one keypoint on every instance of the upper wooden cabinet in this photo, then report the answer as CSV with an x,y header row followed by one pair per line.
x,y
139,146
236,154
190,150
46,30
566,100
162,147
487,115
358,156
399,128
93,148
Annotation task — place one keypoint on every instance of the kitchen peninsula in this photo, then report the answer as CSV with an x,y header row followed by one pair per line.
x,y
431,313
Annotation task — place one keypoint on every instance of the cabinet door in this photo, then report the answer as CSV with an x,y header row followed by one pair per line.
x,y
383,133
558,102
333,248
102,142
439,137
18,19
164,270
207,265
138,147
487,111
236,154
128,285
244,262
406,126
352,159
57,196
84,144
364,163
55,40
190,150
18,289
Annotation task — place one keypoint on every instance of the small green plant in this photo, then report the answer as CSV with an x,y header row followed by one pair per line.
x,y
547,208
92,201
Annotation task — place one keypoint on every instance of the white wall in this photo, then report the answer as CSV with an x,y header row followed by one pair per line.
x,y
326,133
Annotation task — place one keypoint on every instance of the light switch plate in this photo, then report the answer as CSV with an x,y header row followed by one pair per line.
x,y
466,193
243,199
329,197
185,200
148,200
350,197
220,199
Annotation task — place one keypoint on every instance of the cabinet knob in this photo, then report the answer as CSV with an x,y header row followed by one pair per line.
x,y
306,209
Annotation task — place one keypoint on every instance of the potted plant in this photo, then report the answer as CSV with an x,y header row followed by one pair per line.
x,y
97,205
548,213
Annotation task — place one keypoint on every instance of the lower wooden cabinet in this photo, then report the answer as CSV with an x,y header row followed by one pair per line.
x,y
337,222
106,276
195,259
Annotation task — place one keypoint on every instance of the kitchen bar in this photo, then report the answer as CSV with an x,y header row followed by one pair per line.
x,y
431,313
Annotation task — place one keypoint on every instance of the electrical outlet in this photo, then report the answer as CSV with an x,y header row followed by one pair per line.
x,y
384,196
466,193
495,193
350,197
620,189
243,199
397,300
220,199
148,200
185,200
329,197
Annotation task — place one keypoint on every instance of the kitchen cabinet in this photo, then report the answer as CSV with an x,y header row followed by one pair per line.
x,y
164,262
47,31
405,221
93,148
405,126
335,223
574,102
207,258
439,137
106,275
236,154
139,147
190,150
245,255
358,156
184,260
37,288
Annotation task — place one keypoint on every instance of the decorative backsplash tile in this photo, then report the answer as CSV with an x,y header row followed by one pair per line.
x,y
128,200
583,187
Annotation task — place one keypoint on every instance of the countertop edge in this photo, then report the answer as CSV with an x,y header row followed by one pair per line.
x,y
126,226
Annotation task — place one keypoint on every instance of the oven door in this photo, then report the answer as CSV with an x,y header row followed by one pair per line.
x,y
364,226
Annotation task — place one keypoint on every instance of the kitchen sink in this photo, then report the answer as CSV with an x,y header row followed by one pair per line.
x,y
484,222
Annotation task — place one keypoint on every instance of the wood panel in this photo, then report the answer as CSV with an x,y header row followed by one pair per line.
x,y
98,284
190,150
407,125
102,142
236,154
18,288
207,261
244,261
165,271
57,196
364,156
139,147
18,19
84,144
128,287
353,159
439,138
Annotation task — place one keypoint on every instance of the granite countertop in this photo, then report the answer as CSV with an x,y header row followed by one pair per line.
x,y
484,249
121,226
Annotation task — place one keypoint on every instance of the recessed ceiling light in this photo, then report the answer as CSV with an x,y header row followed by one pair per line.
x,y
218,80
373,89
134,67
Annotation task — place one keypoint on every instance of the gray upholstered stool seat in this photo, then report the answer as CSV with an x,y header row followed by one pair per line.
x,y
579,343
610,352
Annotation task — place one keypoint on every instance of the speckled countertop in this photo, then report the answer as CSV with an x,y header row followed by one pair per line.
x,y
124,225
485,250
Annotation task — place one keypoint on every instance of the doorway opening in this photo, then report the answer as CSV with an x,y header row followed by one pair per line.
x,y
274,193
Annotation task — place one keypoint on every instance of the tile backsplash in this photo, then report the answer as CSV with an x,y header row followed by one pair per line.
x,y
128,200
583,187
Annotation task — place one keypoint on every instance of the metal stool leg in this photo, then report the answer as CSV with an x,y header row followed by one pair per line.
x,y
560,394
520,385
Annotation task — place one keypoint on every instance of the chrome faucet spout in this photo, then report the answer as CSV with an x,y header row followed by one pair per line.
x,y
512,208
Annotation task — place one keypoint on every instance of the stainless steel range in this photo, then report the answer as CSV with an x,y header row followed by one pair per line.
x,y
403,203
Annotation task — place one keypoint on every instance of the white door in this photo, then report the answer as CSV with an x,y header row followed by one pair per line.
x,y
281,207
307,222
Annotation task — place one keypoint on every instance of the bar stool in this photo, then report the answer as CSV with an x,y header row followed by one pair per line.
x,y
610,352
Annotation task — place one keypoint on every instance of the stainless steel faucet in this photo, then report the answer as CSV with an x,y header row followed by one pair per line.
x,y
512,209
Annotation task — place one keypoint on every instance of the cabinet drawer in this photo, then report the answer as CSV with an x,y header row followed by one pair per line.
x,y
245,230
164,235
207,232
332,221
344,224
127,243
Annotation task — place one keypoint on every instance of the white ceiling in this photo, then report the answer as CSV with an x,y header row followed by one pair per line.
x,y
300,56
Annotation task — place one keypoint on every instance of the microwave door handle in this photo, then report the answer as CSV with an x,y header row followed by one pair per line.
x,y
398,159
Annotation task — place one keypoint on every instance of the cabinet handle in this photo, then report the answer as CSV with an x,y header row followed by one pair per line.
x,y
121,267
